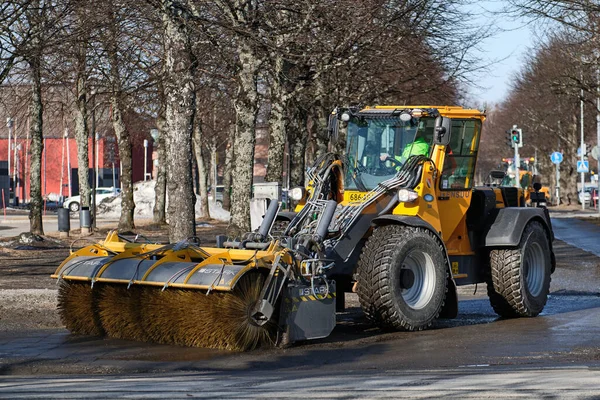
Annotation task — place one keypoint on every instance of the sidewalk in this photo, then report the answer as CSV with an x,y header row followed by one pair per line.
x,y
573,211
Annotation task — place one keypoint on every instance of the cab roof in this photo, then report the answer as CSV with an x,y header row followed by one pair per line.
x,y
445,111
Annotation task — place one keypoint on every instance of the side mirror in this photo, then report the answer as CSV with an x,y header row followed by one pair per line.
x,y
442,131
497,174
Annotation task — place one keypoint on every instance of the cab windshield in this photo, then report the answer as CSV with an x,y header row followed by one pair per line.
x,y
378,147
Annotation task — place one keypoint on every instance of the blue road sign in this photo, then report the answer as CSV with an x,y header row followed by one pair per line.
x,y
556,157
583,166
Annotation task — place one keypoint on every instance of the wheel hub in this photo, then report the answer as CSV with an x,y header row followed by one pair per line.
x,y
533,268
417,279
407,278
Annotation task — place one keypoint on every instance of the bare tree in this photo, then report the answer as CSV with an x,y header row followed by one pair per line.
x,y
228,168
202,173
544,102
80,108
181,106
117,107
36,16
34,35
160,189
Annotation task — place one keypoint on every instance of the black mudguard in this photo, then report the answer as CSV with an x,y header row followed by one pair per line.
x,y
507,225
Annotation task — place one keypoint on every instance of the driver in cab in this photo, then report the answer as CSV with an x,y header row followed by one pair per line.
x,y
419,147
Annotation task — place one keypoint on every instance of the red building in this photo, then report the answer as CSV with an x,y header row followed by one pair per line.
x,y
60,164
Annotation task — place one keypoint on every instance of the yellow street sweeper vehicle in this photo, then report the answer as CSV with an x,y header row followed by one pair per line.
x,y
396,218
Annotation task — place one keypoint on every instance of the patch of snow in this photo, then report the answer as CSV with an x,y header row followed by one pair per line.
x,y
143,196
53,197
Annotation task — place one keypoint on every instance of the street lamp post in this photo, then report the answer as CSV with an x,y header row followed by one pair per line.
x,y
94,160
68,161
598,137
9,125
145,159
154,133
582,152
17,172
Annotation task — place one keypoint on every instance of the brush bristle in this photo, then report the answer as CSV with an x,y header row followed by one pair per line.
x,y
119,310
217,320
77,307
174,316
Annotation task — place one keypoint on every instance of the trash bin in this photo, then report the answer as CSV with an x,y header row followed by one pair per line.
x,y
64,220
85,219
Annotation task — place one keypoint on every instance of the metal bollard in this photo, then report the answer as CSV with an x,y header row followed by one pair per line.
x,y
64,222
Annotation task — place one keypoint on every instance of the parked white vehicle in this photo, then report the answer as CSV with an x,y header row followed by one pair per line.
x,y
587,196
74,203
219,199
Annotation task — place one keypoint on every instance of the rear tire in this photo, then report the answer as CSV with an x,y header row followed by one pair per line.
x,y
74,206
402,277
520,277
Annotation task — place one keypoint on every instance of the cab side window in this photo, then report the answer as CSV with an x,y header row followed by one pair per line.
x,y
459,165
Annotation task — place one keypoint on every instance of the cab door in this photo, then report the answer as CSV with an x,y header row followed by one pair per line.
x,y
455,183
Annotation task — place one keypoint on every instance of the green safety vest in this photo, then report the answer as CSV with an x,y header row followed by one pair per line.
x,y
418,148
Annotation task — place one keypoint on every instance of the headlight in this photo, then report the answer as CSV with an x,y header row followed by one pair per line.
x,y
345,117
297,193
407,195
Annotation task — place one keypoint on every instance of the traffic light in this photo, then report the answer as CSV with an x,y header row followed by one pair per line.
x,y
516,137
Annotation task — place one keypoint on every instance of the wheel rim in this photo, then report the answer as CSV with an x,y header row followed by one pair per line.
x,y
417,279
533,268
74,207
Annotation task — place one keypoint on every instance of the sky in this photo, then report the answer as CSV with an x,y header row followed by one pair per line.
x,y
506,49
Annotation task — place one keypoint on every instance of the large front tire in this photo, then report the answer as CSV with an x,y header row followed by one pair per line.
x,y
402,277
520,277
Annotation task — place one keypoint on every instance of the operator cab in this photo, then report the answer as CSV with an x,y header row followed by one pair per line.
x,y
378,145
380,140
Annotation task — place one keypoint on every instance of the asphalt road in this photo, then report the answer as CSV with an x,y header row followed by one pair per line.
x,y
476,382
477,355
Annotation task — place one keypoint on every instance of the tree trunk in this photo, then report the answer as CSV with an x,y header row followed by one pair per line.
x,y
81,129
321,115
212,165
37,142
277,124
321,139
246,108
126,223
181,107
202,175
228,169
568,174
160,189
298,139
